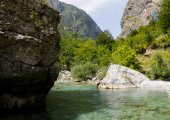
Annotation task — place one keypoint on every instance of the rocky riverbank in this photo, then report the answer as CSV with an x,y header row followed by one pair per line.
x,y
118,77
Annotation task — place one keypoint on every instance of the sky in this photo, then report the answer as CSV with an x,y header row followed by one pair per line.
x,y
106,13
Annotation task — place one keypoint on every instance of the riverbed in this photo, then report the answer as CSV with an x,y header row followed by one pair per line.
x,y
80,101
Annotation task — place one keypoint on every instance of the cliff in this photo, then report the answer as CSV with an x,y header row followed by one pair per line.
x,y
139,13
29,43
75,19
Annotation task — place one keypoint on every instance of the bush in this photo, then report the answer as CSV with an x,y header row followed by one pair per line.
x,y
88,51
105,39
84,72
133,33
68,44
125,56
160,68
165,15
102,73
162,42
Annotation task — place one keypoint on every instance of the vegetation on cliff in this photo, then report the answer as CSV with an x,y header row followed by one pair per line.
x,y
146,49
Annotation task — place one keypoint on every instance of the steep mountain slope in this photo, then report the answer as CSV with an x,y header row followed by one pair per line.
x,y
139,13
75,19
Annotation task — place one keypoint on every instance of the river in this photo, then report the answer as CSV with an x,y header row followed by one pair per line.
x,y
85,102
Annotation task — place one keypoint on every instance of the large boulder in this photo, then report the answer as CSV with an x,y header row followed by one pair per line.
x,y
29,45
139,13
119,76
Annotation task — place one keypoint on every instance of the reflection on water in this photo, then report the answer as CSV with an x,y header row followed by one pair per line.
x,y
85,102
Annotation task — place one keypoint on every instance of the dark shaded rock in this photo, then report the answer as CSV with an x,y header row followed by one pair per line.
x,y
29,44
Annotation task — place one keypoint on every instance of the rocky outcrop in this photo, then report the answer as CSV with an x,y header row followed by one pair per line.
x,y
29,43
75,19
139,13
119,76
156,84
64,76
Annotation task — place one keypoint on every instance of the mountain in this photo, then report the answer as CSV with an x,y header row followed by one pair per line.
x,y
75,19
139,13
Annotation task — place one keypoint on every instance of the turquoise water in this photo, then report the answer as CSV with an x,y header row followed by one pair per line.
x,y
85,102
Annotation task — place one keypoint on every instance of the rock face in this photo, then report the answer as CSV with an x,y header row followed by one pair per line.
x,y
139,13
75,19
28,47
64,76
122,77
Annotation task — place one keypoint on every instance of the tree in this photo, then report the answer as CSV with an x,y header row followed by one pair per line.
x,y
164,16
105,39
160,68
88,51
83,72
125,56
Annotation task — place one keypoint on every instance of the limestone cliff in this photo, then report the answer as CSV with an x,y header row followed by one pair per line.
x,y
29,43
139,13
75,19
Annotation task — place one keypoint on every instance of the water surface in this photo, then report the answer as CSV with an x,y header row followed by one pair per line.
x,y
85,102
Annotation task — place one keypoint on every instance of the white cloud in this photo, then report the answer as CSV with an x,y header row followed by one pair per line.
x,y
106,13
88,5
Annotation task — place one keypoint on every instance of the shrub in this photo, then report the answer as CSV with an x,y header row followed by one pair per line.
x,y
168,33
164,16
161,42
88,51
160,68
105,39
102,73
133,33
84,72
140,49
125,56
67,52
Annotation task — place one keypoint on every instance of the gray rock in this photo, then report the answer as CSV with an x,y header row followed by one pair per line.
x,y
139,13
29,44
122,77
156,84
64,76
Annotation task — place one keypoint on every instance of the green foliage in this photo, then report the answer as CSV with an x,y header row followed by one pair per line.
x,y
35,17
125,56
162,42
133,33
101,73
88,51
105,39
67,53
128,51
75,50
165,15
84,72
160,68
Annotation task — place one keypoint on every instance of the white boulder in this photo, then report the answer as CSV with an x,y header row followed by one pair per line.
x,y
119,76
